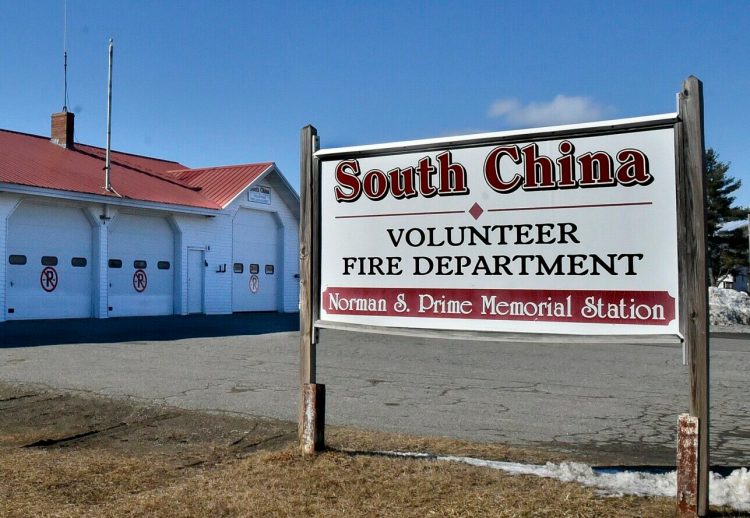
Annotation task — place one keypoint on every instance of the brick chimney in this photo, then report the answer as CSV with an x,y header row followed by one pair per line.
x,y
62,129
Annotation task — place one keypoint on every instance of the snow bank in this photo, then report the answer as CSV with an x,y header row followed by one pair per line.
x,y
733,491
728,307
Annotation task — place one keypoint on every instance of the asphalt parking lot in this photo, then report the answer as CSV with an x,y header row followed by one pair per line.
x,y
619,402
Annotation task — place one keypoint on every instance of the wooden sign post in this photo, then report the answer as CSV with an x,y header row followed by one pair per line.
x,y
311,428
692,495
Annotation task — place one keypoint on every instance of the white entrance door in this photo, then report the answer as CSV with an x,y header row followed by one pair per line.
x,y
195,281
48,263
140,266
255,261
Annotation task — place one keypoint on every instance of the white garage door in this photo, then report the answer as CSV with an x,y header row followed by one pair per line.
x,y
255,261
140,266
48,263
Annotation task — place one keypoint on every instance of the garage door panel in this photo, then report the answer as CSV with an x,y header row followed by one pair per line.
x,y
141,266
140,305
56,277
256,268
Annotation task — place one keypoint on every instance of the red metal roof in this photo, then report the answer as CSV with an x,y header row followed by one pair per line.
x,y
156,165
222,184
35,161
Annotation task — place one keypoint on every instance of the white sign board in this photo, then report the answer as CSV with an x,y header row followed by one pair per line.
x,y
573,235
259,194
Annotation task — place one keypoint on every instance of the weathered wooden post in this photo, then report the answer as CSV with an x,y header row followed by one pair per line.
x,y
692,490
312,402
687,466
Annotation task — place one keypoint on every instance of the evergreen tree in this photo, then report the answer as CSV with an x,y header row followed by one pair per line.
x,y
726,250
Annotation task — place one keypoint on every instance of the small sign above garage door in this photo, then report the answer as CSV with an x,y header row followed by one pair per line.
x,y
259,194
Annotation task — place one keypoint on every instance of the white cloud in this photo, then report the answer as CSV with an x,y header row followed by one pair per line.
x,y
562,109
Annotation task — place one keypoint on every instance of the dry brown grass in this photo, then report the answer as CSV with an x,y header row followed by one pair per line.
x,y
335,484
162,462
92,482
352,440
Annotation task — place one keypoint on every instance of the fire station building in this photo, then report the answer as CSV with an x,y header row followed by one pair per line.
x,y
163,239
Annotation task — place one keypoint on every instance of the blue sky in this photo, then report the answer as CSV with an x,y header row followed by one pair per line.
x,y
228,82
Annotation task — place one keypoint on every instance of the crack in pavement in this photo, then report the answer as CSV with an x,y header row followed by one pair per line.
x,y
16,398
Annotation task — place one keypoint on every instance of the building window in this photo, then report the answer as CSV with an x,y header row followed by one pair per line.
x,y
139,264
17,259
78,262
49,260
239,268
115,263
163,265
269,269
253,268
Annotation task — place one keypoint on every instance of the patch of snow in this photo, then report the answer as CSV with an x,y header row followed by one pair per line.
x,y
731,226
733,491
728,307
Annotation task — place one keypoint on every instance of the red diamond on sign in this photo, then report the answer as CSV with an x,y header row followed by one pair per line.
x,y
476,211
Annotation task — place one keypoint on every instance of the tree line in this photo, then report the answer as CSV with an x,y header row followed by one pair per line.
x,y
728,249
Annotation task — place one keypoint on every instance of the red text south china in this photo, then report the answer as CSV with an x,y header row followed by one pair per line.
x,y
502,173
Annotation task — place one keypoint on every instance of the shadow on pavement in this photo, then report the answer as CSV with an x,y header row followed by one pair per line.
x,y
30,333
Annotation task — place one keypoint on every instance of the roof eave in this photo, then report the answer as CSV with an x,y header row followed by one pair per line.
x,y
110,200
294,206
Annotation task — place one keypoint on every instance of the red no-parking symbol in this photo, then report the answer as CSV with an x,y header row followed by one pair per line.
x,y
140,281
48,279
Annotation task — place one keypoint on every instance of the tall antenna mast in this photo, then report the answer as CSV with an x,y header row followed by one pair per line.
x,y
107,167
65,57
